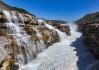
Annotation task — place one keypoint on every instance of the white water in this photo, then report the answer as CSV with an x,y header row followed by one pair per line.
x,y
62,35
19,35
59,56
40,43
63,56
22,39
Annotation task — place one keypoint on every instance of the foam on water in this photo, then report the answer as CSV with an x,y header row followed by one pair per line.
x,y
59,56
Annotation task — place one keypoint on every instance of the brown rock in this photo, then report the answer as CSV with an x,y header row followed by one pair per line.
x,y
64,28
28,19
91,33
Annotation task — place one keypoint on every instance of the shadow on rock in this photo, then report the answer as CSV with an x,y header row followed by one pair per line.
x,y
85,58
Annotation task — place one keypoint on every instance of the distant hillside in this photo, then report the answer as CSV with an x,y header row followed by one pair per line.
x,y
89,18
56,21
8,7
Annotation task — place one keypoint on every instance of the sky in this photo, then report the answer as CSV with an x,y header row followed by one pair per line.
x,y
67,10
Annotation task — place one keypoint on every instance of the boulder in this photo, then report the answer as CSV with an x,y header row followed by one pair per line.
x,y
64,28
28,19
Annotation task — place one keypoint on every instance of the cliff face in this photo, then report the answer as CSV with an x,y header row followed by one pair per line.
x,y
89,26
26,25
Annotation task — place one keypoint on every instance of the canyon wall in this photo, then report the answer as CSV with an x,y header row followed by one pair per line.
x,y
89,26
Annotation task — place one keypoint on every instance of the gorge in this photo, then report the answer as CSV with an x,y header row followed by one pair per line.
x,y
31,43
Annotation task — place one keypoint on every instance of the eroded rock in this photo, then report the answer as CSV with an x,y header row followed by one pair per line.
x,y
91,33
49,36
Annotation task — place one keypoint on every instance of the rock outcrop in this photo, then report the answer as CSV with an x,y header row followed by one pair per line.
x,y
30,24
89,26
61,25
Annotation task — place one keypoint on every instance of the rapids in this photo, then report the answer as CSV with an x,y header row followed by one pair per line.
x,y
69,53
63,55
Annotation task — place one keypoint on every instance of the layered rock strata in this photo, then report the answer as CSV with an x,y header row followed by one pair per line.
x,y
89,26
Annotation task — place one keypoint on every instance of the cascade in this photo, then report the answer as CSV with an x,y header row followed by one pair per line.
x,y
24,43
59,56
41,43
62,35
63,55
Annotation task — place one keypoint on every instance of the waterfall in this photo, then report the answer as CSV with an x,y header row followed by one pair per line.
x,y
59,56
41,44
24,42
62,35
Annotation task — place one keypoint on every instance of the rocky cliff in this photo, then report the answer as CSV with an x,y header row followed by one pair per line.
x,y
24,24
89,26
